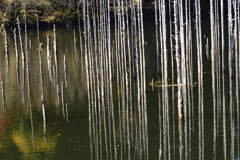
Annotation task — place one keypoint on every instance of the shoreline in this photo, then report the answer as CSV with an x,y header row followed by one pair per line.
x,y
60,15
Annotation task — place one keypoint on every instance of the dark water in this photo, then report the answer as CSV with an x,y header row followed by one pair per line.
x,y
65,133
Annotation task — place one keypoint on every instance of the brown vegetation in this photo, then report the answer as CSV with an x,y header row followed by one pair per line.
x,y
46,11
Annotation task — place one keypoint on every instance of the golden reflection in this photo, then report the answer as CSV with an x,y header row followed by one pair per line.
x,y
28,143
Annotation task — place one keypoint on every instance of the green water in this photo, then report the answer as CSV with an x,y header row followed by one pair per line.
x,y
22,131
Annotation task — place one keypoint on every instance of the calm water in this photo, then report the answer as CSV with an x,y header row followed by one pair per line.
x,y
65,133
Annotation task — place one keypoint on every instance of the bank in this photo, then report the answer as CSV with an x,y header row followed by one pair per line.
x,y
68,13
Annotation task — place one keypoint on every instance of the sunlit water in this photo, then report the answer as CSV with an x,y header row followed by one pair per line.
x,y
65,133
